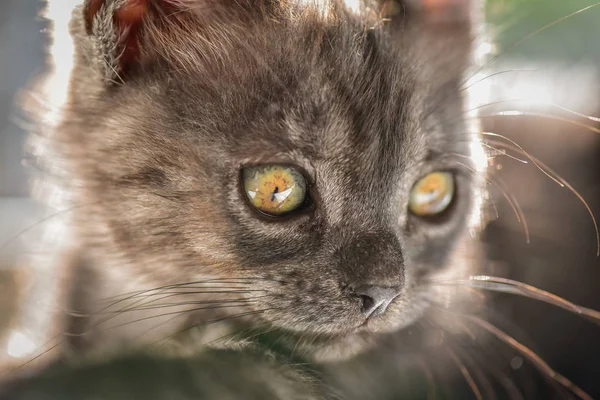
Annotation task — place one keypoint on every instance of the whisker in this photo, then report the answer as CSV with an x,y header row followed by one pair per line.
x,y
511,389
308,345
41,221
505,285
31,360
151,306
210,304
195,325
466,114
167,314
500,185
526,154
177,313
477,369
431,389
239,280
194,290
512,201
67,334
168,294
499,152
144,301
240,315
461,360
553,105
164,295
162,290
496,214
563,183
547,26
507,384
515,113
529,36
529,354
282,335
463,156
578,114
496,74
465,373
243,333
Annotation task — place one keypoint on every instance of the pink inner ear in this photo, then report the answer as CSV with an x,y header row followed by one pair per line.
x,y
129,19
132,12
446,10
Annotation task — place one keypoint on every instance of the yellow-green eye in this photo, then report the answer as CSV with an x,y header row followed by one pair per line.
x,y
432,194
274,189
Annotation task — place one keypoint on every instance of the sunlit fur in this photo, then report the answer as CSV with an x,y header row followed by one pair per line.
x,y
150,215
365,106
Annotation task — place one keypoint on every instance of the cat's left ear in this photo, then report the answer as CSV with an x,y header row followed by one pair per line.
x,y
447,11
442,34
443,12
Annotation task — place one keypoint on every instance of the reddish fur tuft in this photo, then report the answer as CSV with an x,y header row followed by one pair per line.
x,y
132,12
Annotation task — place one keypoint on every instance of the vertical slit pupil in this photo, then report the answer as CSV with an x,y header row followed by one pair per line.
x,y
274,193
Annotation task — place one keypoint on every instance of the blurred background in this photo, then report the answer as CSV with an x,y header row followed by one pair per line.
x,y
552,52
542,80
22,57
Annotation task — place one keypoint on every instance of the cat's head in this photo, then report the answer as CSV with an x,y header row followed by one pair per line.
x,y
311,154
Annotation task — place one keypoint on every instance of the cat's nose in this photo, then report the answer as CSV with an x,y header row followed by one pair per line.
x,y
376,299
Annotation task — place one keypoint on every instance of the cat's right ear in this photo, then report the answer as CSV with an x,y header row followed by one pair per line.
x,y
107,34
116,37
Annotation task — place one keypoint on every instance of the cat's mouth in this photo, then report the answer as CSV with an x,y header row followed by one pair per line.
x,y
369,323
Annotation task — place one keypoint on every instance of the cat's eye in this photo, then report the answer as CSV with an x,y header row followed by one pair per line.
x,y
274,189
432,194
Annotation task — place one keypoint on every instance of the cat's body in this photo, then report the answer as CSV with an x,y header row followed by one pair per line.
x,y
170,100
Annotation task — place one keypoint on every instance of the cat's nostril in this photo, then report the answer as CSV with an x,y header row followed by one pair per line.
x,y
376,299
368,303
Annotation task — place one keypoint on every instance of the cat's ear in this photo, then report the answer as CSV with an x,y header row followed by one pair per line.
x,y
443,12
442,34
447,11
116,37
108,35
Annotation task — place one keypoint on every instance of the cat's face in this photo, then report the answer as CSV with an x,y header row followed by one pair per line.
x,y
359,112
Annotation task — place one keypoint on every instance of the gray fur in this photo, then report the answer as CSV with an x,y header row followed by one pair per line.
x,y
365,106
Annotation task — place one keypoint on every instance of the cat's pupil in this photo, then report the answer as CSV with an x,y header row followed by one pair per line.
x,y
274,193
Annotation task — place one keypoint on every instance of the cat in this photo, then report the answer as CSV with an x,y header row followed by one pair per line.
x,y
260,185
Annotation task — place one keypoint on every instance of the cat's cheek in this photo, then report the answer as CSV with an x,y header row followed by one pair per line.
x,y
466,260
424,291
303,303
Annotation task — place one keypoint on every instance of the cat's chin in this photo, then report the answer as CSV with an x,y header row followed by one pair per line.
x,y
334,348
344,347
340,347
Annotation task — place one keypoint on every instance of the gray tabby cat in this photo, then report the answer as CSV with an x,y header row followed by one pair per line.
x,y
272,190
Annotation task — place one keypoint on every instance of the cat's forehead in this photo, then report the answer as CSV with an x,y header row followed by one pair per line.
x,y
369,117
311,93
